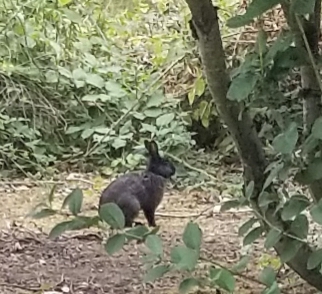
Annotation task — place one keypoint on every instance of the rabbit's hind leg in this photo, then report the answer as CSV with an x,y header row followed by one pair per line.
x,y
130,207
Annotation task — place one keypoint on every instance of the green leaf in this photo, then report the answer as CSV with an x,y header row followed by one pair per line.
x,y
156,100
154,243
272,237
59,229
115,243
187,285
72,15
95,80
249,190
164,119
242,264
309,144
300,227
314,170
294,206
148,128
222,278
302,7
281,44
191,96
74,201
77,223
136,233
185,258
153,112
266,198
291,247
115,89
51,194
316,212
273,289
156,273
273,174
285,143
192,236
242,86
315,259
118,143
64,2
261,43
113,215
73,130
254,9
268,276
46,212
78,74
87,133
245,227
199,86
227,205
252,236
317,128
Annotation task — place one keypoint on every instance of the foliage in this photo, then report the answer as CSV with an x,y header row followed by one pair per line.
x,y
83,85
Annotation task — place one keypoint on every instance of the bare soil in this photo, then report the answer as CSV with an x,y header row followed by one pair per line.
x,y
77,263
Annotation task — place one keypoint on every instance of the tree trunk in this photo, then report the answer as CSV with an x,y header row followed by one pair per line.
x,y
206,29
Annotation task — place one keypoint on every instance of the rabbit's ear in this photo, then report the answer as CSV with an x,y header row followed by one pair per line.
x,y
152,148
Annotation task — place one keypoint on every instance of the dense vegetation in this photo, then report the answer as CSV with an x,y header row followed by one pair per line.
x,y
82,83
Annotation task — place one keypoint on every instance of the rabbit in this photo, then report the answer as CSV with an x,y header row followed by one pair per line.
x,y
135,191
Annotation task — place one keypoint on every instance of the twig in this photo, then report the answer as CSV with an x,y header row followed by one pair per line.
x,y
186,164
52,182
20,287
307,46
243,276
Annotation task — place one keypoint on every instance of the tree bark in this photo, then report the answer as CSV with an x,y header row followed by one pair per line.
x,y
206,29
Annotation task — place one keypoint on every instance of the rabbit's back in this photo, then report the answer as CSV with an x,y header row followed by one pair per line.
x,y
145,187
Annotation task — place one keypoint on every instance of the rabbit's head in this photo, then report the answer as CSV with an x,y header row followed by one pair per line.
x,y
157,164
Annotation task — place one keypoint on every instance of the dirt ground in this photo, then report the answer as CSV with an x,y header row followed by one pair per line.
x,y
77,263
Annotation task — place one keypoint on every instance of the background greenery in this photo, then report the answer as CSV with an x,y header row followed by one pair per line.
x,y
83,83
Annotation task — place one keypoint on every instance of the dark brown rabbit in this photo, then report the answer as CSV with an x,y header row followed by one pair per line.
x,y
135,191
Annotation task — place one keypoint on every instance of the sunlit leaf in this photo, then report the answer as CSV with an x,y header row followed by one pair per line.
x,y
164,119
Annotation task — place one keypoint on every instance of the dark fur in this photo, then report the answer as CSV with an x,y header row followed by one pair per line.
x,y
135,191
